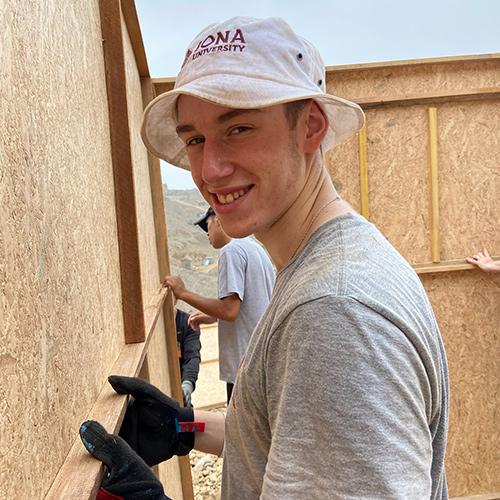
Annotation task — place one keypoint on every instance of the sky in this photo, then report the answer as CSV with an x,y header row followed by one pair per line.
x,y
344,31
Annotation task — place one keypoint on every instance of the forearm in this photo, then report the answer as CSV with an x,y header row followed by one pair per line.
x,y
212,307
212,440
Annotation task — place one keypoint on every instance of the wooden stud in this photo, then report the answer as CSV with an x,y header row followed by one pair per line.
x,y
168,308
445,266
363,172
134,30
128,239
434,191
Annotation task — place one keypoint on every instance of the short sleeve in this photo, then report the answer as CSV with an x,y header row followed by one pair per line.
x,y
232,270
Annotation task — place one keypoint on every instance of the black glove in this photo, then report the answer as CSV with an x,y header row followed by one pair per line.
x,y
151,424
128,477
187,389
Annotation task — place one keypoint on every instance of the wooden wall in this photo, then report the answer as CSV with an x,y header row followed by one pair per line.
x,y
82,247
466,95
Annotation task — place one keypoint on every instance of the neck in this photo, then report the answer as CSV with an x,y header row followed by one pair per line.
x,y
317,203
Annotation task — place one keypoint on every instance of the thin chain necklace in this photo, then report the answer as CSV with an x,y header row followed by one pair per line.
x,y
313,220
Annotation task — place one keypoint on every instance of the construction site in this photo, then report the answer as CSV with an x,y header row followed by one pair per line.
x,y
84,237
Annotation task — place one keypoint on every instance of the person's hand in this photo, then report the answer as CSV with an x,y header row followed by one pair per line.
x,y
187,389
198,318
127,476
150,425
176,285
484,261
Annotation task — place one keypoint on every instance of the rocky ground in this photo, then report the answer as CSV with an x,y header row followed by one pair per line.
x,y
206,471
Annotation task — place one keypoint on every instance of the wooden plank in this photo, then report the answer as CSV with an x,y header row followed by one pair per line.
x,y
413,62
164,269
363,173
434,186
128,244
133,27
485,496
81,474
445,266
431,98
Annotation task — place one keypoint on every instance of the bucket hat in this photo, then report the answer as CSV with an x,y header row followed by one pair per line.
x,y
246,63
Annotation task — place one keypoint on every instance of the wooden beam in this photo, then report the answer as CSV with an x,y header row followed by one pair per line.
x,y
432,98
363,173
134,30
128,239
484,496
434,183
81,474
445,266
414,62
164,269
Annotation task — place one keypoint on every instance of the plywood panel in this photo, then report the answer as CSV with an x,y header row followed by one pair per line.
x,y
466,307
410,80
61,321
469,177
147,239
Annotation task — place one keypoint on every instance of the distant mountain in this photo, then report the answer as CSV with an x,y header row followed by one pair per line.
x,y
191,255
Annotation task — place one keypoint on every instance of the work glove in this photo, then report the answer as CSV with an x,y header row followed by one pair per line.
x,y
155,425
187,389
127,477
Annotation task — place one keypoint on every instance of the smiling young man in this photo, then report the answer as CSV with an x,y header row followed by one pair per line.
x,y
343,391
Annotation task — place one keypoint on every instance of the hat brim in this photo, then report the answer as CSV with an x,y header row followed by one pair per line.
x,y
159,123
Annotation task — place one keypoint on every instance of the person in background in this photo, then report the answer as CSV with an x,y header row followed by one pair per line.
x,y
483,261
245,283
188,350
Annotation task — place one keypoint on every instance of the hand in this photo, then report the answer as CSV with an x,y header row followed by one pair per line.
x,y
176,285
198,318
127,477
484,261
149,426
187,389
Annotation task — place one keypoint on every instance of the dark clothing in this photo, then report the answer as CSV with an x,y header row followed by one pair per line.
x,y
188,348
229,390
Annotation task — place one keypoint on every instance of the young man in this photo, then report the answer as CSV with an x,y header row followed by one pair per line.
x,y
245,283
343,391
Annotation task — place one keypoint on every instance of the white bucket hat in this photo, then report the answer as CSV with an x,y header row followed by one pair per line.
x,y
247,63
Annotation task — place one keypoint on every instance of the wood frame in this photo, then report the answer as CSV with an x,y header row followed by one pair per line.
x,y
80,475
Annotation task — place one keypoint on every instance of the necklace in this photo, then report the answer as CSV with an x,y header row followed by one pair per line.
x,y
313,220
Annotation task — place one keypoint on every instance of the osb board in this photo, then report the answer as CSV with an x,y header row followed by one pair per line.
x,y
390,81
397,177
145,220
169,471
466,304
61,320
469,177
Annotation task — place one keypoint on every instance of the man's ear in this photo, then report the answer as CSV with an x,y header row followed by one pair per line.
x,y
316,127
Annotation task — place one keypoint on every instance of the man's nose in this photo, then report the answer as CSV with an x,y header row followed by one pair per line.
x,y
216,165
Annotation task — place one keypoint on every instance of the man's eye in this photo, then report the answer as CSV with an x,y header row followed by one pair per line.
x,y
195,141
239,129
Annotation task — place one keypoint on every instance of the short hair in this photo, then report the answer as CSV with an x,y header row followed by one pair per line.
x,y
293,110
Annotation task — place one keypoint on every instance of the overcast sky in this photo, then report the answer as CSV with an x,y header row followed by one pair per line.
x,y
344,31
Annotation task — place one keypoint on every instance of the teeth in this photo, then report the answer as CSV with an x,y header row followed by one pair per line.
x,y
224,199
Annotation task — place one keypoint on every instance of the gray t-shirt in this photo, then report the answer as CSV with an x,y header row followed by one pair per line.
x,y
343,392
246,270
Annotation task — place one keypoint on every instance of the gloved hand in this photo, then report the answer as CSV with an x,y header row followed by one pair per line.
x,y
187,389
127,476
151,424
